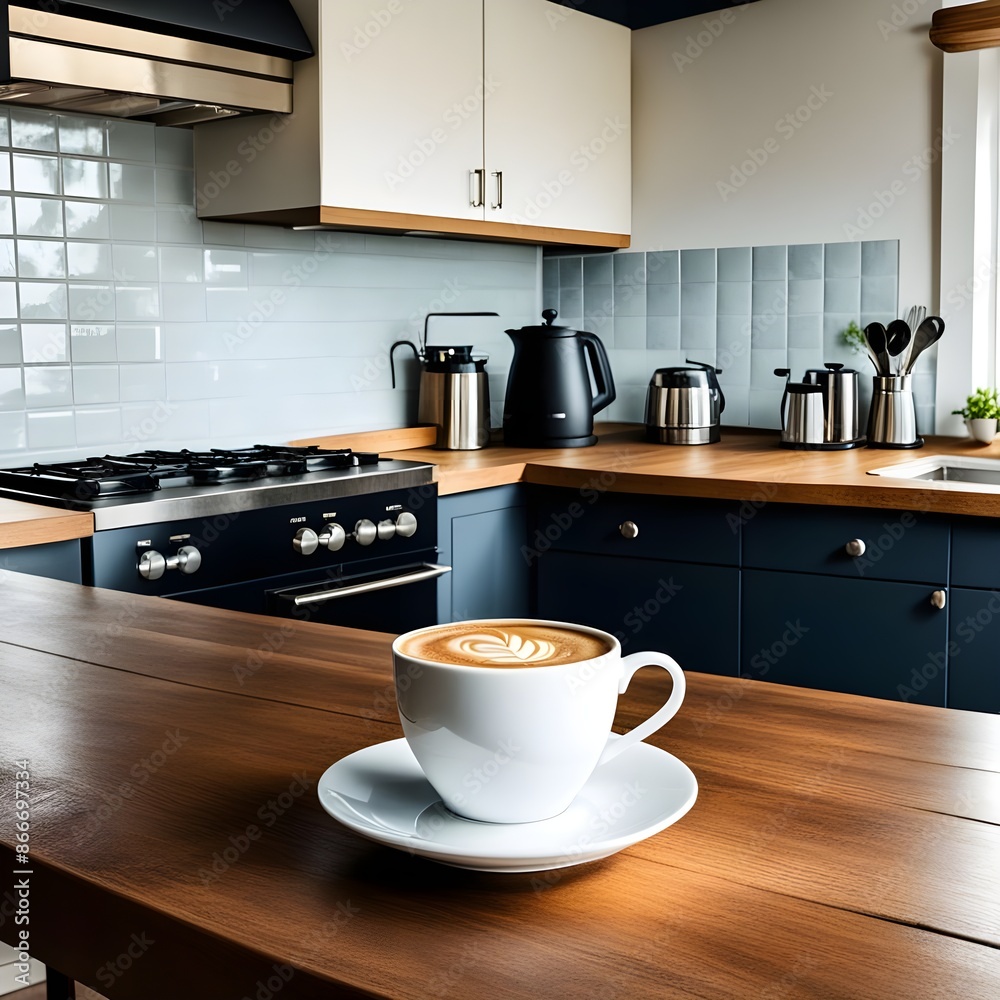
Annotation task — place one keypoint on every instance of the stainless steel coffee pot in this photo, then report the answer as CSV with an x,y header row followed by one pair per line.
x,y
828,395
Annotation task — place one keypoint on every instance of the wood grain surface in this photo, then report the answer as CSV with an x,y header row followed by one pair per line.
x,y
745,465
841,847
31,524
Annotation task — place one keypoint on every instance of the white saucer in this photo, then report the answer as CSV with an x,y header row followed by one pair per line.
x,y
381,793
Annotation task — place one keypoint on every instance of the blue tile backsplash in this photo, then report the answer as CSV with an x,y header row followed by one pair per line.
x,y
126,322
747,310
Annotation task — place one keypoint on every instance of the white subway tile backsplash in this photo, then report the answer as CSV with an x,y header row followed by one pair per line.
x,y
134,262
10,344
43,343
41,259
226,267
46,386
51,429
82,136
4,128
13,431
735,263
136,301
139,382
88,260
95,384
98,425
132,140
92,302
174,187
136,223
181,264
140,342
183,303
131,182
227,233
11,389
38,217
84,178
33,130
36,174
178,224
174,146
8,263
87,220
6,216
92,343
8,299
42,300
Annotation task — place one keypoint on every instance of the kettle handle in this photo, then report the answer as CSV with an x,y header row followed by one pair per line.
x,y
787,373
602,370
392,351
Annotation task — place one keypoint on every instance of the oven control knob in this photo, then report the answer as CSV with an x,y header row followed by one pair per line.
x,y
365,532
305,542
406,525
386,529
187,560
152,565
333,537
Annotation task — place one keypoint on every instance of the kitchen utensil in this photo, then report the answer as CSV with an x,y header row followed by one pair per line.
x,y
804,426
454,393
684,404
877,338
549,401
897,336
840,405
928,333
914,318
892,420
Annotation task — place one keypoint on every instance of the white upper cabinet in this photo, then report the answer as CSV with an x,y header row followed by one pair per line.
x,y
402,105
558,137
504,119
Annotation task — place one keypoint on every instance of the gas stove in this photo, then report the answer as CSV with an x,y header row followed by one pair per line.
x,y
309,533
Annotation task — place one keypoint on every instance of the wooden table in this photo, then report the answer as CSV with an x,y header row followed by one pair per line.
x,y
840,847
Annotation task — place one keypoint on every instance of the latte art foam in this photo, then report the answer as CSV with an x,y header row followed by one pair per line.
x,y
505,644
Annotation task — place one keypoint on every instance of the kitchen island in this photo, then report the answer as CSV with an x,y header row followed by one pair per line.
x,y
840,846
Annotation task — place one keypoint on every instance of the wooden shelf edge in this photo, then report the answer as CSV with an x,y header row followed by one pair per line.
x,y
39,526
367,221
392,439
967,28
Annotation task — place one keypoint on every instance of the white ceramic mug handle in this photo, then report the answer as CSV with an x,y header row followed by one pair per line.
x,y
630,664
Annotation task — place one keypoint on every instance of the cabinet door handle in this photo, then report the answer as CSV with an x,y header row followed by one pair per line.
x,y
855,547
939,599
629,529
477,187
498,174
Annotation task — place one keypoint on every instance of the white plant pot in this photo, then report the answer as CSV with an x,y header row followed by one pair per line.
x,y
983,430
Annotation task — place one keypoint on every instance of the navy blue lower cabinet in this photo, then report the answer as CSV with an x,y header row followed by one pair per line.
x,y
689,612
56,560
481,535
867,637
974,650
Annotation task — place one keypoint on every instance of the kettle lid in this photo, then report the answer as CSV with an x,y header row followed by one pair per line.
x,y
453,359
549,329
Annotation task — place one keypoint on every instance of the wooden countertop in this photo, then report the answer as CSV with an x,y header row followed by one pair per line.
x,y
840,847
745,465
31,524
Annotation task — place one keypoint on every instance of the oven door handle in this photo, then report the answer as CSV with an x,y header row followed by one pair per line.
x,y
426,572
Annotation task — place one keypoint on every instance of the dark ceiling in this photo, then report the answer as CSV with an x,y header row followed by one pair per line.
x,y
643,13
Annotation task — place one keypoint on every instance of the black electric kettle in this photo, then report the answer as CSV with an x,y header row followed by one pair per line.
x,y
549,401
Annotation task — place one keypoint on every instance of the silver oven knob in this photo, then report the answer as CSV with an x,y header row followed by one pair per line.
x,y
305,542
365,532
152,565
406,525
333,537
386,529
187,560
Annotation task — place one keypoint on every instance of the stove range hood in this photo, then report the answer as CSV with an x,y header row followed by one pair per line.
x,y
171,62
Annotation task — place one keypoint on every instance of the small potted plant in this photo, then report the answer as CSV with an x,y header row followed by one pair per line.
x,y
981,411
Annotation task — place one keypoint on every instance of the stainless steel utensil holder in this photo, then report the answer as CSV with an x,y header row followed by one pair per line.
x,y
892,418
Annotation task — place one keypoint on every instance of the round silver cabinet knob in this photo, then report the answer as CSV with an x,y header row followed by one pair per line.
x,y
386,529
188,560
855,547
939,599
305,542
406,525
152,565
333,537
629,529
365,532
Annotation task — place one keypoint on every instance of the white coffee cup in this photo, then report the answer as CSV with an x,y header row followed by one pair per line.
x,y
516,745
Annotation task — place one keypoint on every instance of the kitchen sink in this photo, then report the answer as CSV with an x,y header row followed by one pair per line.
x,y
979,474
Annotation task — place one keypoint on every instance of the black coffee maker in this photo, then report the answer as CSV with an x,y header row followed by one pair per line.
x,y
550,402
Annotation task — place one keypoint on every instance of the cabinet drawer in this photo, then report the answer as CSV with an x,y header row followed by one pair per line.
x,y
689,612
867,637
702,531
899,545
975,553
